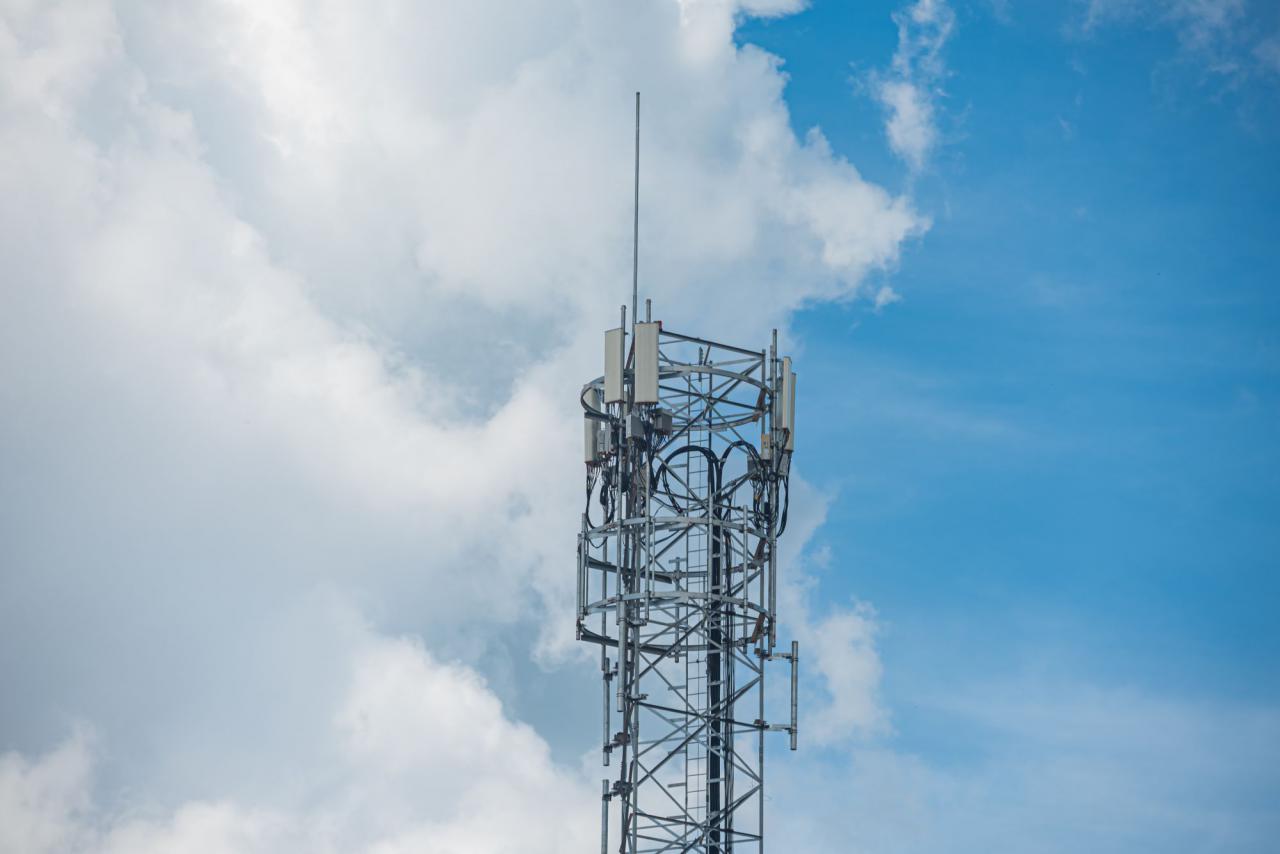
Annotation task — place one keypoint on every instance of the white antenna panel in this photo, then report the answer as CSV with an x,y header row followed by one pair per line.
x,y
647,362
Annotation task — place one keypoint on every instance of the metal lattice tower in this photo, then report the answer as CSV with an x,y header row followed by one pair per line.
x,y
688,447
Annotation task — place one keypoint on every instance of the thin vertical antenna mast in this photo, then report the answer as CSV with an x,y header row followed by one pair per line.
x,y
635,228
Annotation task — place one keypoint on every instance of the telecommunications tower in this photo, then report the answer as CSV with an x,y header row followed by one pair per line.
x,y
688,447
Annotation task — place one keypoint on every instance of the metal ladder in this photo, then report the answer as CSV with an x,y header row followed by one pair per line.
x,y
697,560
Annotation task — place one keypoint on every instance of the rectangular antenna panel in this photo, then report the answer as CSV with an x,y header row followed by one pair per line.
x,y
787,402
613,343
791,414
591,429
782,412
590,440
647,362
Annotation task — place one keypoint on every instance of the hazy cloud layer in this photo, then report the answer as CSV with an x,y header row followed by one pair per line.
x,y
1058,765
1228,39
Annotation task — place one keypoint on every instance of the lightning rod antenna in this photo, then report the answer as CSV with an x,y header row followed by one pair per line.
x,y
635,229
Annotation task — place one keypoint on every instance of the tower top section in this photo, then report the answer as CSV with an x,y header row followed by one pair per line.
x,y
687,444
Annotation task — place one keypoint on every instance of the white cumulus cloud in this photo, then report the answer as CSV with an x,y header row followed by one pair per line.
x,y
428,763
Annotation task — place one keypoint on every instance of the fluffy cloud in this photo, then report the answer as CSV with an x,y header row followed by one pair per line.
x,y
426,762
42,802
839,658
842,647
297,297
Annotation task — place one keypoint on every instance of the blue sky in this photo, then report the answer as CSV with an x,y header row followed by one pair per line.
x,y
1054,461
1058,451
298,298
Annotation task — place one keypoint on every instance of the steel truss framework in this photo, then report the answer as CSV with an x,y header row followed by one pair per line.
x,y
677,583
